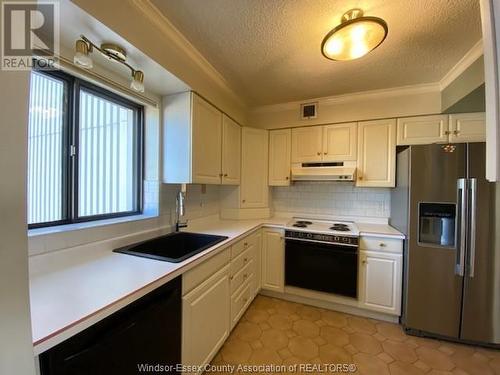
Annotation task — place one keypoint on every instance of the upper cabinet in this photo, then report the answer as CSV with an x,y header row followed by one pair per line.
x,y
206,142
254,163
376,160
468,127
231,151
339,142
307,144
458,128
324,143
423,130
279,157
200,144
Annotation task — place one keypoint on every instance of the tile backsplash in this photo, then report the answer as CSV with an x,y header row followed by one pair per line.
x,y
332,198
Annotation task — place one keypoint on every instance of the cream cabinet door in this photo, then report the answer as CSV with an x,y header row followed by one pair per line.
x,y
207,139
206,319
307,144
257,248
422,130
380,281
468,127
231,151
273,260
339,142
254,164
279,157
376,153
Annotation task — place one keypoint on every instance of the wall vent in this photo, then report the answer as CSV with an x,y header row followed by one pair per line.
x,y
308,111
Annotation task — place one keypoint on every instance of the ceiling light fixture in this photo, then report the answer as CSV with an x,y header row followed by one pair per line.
x,y
84,47
354,37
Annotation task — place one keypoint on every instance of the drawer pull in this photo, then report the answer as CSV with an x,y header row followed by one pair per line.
x,y
245,276
245,244
382,244
318,153
245,300
231,277
364,262
245,260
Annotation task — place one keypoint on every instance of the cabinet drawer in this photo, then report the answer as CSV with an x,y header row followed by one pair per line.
x,y
392,245
240,300
241,261
241,276
203,271
243,244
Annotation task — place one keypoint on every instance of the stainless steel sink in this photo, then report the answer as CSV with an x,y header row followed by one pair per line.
x,y
174,247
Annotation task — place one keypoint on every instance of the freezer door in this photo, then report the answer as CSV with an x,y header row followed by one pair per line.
x,y
433,295
481,303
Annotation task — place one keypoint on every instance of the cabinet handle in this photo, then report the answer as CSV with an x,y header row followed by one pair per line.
x,y
287,178
447,132
382,244
225,174
360,177
245,244
243,201
245,260
364,262
231,277
220,175
319,153
245,276
456,132
325,153
245,300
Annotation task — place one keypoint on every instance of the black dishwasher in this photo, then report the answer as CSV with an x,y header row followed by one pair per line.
x,y
145,333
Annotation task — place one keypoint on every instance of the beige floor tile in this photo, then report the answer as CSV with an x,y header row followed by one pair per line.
x,y
361,325
365,343
385,357
400,351
473,365
402,368
370,365
274,339
236,352
335,336
495,365
285,353
264,356
303,347
309,313
435,359
306,328
256,315
247,331
333,318
280,321
334,354
391,331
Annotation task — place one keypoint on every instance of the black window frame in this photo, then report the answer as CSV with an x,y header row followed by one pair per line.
x,y
74,86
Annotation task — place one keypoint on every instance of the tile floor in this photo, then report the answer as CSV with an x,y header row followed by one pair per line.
x,y
274,331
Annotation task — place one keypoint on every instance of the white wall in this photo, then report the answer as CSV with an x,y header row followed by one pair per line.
x,y
399,102
16,348
332,199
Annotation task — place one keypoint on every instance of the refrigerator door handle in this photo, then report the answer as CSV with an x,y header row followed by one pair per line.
x,y
472,232
462,211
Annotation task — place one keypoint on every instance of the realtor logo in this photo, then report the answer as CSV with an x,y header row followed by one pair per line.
x,y
30,34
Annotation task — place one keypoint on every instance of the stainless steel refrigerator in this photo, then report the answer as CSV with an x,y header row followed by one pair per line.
x,y
451,217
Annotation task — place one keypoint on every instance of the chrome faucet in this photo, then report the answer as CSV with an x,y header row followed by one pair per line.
x,y
180,208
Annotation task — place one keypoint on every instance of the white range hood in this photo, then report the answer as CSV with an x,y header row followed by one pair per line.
x,y
346,171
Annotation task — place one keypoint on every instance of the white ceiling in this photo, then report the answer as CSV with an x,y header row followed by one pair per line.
x,y
269,50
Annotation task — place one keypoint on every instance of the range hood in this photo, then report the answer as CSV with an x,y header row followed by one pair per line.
x,y
337,171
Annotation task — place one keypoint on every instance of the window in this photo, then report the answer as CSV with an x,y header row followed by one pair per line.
x,y
84,152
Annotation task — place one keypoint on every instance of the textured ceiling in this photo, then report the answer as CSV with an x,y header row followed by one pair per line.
x,y
269,50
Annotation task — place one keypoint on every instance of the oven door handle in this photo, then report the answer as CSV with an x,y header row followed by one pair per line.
x,y
320,242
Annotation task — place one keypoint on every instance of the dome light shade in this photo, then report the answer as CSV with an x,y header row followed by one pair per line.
x,y
354,37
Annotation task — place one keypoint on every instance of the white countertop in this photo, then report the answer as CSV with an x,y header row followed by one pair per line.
x,y
378,230
72,289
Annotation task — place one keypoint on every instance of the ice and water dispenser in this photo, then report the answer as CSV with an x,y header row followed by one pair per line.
x,y
437,224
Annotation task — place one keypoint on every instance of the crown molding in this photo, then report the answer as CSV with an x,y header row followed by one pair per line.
x,y
472,55
155,16
352,97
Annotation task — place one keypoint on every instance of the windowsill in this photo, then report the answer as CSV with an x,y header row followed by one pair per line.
x,y
90,224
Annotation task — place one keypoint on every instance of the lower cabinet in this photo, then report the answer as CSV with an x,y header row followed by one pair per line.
x,y
273,260
380,281
206,319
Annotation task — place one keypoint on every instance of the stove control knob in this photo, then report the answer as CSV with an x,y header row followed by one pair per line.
x,y
309,235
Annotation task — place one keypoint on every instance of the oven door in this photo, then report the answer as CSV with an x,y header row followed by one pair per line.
x,y
323,267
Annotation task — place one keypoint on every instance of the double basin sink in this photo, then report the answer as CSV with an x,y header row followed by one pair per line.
x,y
174,247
